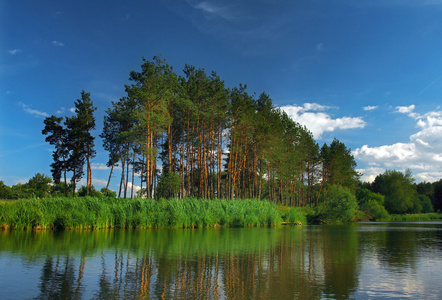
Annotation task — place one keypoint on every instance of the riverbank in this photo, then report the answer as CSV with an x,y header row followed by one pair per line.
x,y
100,213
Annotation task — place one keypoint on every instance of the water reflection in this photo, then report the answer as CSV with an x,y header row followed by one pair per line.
x,y
309,262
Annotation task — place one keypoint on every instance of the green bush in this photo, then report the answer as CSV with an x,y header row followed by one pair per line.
x,y
293,215
372,205
338,205
427,206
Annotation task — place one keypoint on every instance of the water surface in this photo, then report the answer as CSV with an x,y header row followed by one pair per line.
x,y
360,261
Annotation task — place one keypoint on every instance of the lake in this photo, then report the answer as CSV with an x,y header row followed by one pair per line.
x,y
358,261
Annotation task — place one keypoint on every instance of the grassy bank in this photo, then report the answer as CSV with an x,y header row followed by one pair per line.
x,y
95,213
413,217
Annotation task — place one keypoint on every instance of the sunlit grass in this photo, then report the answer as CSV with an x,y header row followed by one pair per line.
x,y
94,213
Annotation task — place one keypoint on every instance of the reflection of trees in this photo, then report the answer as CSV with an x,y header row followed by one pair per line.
x,y
58,278
398,246
300,263
395,246
340,261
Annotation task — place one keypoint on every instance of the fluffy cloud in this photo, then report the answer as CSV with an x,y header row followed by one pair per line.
x,y
318,121
421,154
370,173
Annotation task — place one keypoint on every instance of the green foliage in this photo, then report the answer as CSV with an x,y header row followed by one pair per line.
x,y
5,191
374,210
110,193
339,165
39,185
413,217
425,203
83,192
399,191
20,191
168,185
364,195
436,198
292,215
371,204
338,205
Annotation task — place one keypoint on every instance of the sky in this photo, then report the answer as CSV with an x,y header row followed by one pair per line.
x,y
366,72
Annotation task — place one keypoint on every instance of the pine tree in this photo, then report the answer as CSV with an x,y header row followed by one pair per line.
x,y
57,137
80,140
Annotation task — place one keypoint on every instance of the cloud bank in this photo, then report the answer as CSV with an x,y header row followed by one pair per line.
x,y
422,153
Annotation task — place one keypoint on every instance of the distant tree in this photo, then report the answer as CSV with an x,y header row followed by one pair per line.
x,y
168,185
20,191
338,166
425,204
372,204
425,188
117,136
5,191
84,191
436,198
80,140
40,185
110,193
399,191
339,204
57,137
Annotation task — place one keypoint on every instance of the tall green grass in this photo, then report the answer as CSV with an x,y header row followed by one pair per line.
x,y
413,217
93,213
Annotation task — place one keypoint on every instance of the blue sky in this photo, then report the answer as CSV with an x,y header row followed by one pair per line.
x,y
366,72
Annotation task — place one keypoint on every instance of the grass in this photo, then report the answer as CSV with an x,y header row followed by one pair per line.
x,y
413,217
96,213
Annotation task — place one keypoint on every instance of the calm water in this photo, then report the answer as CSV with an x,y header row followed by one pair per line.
x,y
363,261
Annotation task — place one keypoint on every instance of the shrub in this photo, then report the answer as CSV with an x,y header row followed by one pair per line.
x,y
338,205
372,204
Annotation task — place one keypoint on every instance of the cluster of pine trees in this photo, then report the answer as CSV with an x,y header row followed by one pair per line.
x,y
74,143
192,136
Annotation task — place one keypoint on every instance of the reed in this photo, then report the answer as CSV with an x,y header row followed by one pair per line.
x,y
95,213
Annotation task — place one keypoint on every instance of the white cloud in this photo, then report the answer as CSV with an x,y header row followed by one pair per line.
x,y
99,166
129,188
369,107
96,182
409,110
388,155
369,174
57,44
14,51
421,154
31,111
314,117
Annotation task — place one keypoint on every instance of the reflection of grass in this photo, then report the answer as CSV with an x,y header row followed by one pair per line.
x,y
93,213
169,242
414,217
